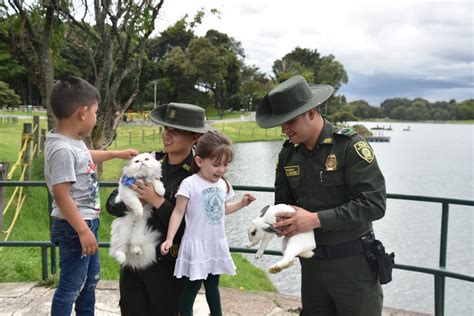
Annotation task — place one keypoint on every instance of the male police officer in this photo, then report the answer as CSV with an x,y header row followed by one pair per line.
x,y
332,179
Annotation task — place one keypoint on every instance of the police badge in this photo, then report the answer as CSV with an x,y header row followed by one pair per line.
x,y
331,162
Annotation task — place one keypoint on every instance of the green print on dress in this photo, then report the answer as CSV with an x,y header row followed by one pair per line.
x,y
213,199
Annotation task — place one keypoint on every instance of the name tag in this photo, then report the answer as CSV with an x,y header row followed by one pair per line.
x,y
292,171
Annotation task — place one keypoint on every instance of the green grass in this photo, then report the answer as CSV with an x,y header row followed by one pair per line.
x,y
24,264
147,137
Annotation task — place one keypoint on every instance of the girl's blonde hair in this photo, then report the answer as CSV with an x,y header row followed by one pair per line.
x,y
214,145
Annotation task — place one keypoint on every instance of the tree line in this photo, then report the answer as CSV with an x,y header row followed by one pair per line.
x,y
112,45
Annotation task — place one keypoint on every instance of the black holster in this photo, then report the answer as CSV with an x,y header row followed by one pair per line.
x,y
381,262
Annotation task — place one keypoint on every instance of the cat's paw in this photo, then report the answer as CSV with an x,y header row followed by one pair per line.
x,y
306,254
279,266
159,188
248,245
137,251
258,255
120,257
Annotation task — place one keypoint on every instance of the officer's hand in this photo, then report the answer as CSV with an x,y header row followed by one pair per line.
x,y
292,223
147,194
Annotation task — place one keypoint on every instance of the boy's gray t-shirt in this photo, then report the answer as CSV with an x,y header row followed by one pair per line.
x,y
69,160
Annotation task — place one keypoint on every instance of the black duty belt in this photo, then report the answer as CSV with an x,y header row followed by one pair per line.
x,y
347,249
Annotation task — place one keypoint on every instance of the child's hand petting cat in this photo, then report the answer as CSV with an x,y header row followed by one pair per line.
x,y
127,154
165,246
247,199
147,194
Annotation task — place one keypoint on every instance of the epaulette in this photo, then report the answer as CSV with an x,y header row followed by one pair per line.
x,y
186,167
345,131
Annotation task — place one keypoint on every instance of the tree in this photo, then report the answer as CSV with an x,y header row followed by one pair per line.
x,y
210,63
115,46
465,110
255,85
310,64
8,96
343,115
389,105
32,33
14,74
316,69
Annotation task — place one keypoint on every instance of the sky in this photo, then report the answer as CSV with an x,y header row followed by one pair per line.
x,y
389,48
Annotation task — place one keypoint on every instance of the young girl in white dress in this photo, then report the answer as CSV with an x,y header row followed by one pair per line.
x,y
202,200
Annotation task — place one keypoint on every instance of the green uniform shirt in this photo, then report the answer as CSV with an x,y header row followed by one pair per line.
x,y
340,179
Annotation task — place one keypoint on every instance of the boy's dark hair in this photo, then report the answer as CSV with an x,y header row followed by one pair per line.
x,y
71,92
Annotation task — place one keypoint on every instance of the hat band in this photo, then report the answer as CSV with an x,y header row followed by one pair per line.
x,y
184,120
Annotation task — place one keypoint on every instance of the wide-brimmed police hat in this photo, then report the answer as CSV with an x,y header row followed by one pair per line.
x,y
290,99
182,116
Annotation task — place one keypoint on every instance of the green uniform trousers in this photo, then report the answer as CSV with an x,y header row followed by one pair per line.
x,y
343,286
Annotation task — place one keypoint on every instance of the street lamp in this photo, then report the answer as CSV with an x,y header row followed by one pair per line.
x,y
154,94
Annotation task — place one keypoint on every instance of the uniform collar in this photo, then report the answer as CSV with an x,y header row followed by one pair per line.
x,y
185,164
326,133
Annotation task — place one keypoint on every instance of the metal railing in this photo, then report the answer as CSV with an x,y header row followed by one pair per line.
x,y
440,274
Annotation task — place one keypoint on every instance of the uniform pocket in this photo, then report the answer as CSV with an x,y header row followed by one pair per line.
x,y
294,181
332,178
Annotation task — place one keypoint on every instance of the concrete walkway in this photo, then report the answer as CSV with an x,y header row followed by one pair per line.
x,y
29,299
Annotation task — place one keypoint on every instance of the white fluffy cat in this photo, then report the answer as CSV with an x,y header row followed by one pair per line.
x,y
261,230
133,243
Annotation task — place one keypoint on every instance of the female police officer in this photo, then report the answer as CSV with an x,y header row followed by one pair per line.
x,y
153,290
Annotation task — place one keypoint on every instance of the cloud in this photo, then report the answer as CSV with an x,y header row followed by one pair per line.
x,y
410,47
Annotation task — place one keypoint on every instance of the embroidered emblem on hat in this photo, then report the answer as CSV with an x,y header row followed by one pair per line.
x,y
364,151
186,167
331,162
327,140
292,171
174,250
172,114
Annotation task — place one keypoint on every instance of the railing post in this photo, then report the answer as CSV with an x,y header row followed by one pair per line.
x,y
440,281
3,177
36,141
27,128
42,139
44,262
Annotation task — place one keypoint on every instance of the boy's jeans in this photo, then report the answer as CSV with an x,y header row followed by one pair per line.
x,y
79,274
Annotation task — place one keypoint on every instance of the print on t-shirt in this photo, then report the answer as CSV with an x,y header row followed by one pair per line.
x,y
213,199
93,185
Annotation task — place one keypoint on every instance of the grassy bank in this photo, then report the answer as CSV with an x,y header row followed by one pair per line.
x,y
24,264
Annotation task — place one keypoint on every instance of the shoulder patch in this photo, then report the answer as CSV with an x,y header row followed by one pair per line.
x,y
364,150
346,131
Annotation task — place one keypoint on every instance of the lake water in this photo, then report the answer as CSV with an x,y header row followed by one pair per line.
x,y
429,160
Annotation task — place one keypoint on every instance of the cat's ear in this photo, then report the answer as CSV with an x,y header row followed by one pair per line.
x,y
153,154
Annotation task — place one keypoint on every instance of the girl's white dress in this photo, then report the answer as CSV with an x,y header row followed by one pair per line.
x,y
204,248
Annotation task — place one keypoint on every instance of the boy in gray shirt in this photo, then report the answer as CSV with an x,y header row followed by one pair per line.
x,y
71,178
